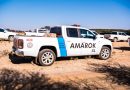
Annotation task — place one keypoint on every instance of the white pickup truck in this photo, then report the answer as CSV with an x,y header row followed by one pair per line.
x,y
37,32
117,36
67,41
6,35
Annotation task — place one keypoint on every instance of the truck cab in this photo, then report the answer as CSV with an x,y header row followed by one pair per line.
x,y
67,41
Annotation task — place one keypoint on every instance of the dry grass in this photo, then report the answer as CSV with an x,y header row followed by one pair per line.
x,y
4,53
4,48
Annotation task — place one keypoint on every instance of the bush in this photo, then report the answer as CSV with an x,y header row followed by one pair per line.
x,y
14,80
116,73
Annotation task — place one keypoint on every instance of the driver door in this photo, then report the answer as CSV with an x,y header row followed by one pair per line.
x,y
124,36
89,41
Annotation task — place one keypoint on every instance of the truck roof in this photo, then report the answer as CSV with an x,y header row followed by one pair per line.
x,y
118,31
68,26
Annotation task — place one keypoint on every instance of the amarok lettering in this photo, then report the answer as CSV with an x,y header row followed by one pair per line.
x,y
83,45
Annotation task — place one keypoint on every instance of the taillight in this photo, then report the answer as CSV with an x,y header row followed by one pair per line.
x,y
15,43
20,43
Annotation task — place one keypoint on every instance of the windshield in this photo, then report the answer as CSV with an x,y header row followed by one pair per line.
x,y
124,34
95,32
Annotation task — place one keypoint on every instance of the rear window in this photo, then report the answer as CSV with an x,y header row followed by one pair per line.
x,y
72,32
120,33
114,33
56,30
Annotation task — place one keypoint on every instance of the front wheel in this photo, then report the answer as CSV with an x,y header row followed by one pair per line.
x,y
105,53
46,57
11,38
115,40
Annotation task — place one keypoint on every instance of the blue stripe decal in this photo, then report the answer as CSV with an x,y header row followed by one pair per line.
x,y
62,47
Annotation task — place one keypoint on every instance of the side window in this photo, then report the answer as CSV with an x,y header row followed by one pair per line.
x,y
1,30
56,30
72,32
114,33
41,31
86,34
90,34
83,33
120,33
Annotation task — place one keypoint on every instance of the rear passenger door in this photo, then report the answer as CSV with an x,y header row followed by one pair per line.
x,y
73,42
60,40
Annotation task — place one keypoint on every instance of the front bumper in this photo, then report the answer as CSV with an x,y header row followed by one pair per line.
x,y
129,41
17,52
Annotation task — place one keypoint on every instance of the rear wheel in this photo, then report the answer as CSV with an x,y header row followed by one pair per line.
x,y
11,38
105,53
35,60
46,57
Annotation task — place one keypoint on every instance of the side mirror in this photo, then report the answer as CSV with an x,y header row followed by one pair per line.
x,y
94,37
4,31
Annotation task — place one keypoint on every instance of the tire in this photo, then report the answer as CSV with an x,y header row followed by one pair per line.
x,y
35,60
105,53
11,38
115,40
127,40
46,57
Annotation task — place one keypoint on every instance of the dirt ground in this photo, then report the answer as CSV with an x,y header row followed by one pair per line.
x,y
68,69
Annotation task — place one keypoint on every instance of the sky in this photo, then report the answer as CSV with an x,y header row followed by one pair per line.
x,y
31,14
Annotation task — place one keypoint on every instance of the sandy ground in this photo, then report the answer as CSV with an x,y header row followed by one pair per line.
x,y
65,70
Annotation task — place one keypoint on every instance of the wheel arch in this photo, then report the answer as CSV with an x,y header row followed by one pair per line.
x,y
116,38
10,35
109,46
53,48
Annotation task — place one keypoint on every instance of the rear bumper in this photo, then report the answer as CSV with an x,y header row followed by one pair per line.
x,y
17,52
